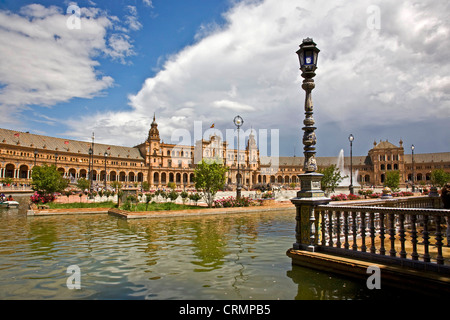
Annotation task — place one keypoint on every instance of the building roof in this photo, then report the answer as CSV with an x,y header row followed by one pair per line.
x,y
385,145
60,146
321,161
428,157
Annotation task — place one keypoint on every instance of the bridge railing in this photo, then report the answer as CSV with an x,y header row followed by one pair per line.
x,y
407,232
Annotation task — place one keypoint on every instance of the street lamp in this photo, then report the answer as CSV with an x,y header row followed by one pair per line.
x,y
90,168
91,158
310,180
413,174
308,54
106,155
238,122
351,138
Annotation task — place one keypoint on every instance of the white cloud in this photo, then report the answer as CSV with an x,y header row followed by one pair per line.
x,y
148,3
43,62
232,105
132,20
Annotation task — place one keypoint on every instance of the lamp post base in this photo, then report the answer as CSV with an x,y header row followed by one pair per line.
x,y
307,220
310,186
238,192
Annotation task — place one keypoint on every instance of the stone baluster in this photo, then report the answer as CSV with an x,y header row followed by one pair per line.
x,y
338,229
372,232
392,251
426,237
324,218
439,258
346,245
382,234
354,229
363,231
414,254
330,228
401,231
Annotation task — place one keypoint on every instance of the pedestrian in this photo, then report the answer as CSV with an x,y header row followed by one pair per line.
x,y
445,195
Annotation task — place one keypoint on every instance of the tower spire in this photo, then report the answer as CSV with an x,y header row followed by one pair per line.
x,y
154,132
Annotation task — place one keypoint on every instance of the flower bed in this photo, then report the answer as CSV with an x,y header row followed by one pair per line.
x,y
344,197
231,202
402,194
37,198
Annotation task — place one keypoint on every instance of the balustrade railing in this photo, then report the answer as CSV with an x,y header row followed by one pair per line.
x,y
394,232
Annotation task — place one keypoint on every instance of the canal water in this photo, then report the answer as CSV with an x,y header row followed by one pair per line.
x,y
239,257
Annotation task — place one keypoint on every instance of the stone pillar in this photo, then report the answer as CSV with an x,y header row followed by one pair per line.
x,y
308,222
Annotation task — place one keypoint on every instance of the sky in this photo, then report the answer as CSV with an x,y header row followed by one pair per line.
x,y
68,69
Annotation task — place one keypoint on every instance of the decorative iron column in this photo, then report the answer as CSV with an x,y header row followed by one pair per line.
x,y
310,194
238,121
351,138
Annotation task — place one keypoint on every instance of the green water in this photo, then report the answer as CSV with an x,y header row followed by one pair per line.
x,y
239,256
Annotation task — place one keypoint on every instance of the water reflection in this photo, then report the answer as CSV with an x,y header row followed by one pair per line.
x,y
214,257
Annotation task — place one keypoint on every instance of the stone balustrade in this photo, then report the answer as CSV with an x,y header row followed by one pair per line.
x,y
407,231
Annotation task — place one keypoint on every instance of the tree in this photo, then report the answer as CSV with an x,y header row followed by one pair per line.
x,y
331,178
209,178
184,195
145,185
83,184
173,195
46,180
439,177
7,181
392,179
171,185
194,197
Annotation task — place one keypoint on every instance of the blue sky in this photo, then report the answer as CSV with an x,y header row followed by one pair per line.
x,y
383,70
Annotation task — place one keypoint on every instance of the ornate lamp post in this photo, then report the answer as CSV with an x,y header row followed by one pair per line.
x,y
91,159
106,156
238,122
413,174
310,194
351,138
90,168
310,180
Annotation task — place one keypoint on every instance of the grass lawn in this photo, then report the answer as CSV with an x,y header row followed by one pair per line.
x,y
109,204
53,205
